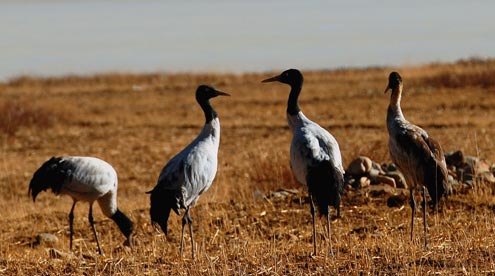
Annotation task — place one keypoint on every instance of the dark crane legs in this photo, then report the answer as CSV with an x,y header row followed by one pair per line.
x,y
91,221
186,219
413,207
314,226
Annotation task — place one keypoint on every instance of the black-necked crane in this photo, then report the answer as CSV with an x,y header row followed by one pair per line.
x,y
314,155
86,179
191,172
418,155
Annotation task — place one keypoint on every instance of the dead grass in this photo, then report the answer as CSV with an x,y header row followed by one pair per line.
x,y
19,113
138,122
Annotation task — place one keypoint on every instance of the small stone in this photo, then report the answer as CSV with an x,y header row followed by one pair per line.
x,y
46,238
386,180
486,177
389,167
377,167
359,166
454,158
57,254
374,173
400,181
364,182
481,167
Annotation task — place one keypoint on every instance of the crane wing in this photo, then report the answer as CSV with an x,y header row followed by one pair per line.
x,y
199,170
310,146
421,157
172,175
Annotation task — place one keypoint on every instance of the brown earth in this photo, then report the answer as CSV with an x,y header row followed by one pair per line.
x,y
138,122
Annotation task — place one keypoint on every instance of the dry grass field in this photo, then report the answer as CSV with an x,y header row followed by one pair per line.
x,y
138,122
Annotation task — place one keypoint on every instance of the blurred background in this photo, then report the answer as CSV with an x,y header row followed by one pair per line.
x,y
50,37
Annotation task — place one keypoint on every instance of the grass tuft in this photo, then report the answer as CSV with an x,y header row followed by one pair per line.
x,y
16,114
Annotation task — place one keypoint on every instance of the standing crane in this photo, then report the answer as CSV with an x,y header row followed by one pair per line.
x,y
314,155
86,179
418,155
191,172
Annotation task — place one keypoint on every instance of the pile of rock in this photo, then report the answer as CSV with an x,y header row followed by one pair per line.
x,y
363,172
466,169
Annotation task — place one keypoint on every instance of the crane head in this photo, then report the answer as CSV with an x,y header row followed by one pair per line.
x,y
207,92
290,77
394,81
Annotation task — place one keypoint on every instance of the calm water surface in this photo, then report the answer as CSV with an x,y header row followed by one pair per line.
x,y
84,37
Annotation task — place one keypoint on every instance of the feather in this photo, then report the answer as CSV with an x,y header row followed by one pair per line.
x,y
325,184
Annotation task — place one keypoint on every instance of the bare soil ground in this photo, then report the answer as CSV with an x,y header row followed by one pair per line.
x,y
138,122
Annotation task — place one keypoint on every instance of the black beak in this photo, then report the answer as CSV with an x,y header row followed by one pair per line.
x,y
386,89
276,78
221,93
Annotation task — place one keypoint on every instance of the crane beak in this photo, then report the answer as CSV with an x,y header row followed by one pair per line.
x,y
386,89
221,93
276,78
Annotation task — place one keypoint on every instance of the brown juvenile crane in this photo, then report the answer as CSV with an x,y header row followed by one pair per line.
x,y
418,155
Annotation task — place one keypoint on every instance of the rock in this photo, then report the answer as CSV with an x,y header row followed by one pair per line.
x,y
386,180
454,158
364,182
389,167
474,169
359,166
57,254
486,177
400,181
470,161
374,172
282,193
348,179
377,168
46,238
462,176
481,167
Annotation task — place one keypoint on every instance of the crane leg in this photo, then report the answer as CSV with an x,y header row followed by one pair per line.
x,y
71,224
425,223
91,221
413,208
329,232
184,221
189,221
314,223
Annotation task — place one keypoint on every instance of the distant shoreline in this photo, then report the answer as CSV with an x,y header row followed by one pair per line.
x,y
25,77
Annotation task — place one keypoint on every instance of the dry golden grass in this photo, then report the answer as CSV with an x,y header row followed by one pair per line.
x,y
138,122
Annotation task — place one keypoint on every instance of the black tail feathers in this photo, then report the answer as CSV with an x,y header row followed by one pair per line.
x,y
162,201
437,183
325,184
50,175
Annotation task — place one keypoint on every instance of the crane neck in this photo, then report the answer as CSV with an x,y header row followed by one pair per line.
x,y
394,111
395,97
208,110
293,101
